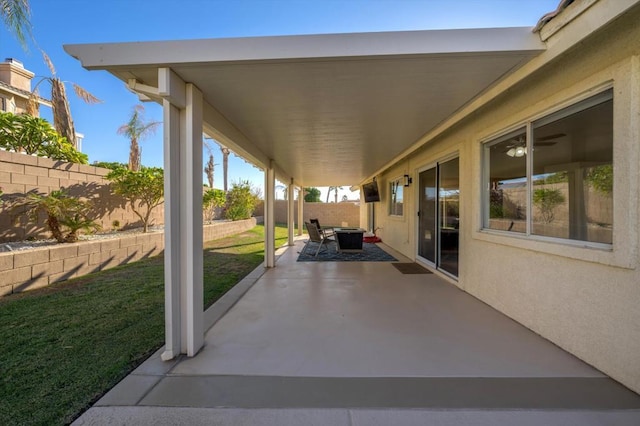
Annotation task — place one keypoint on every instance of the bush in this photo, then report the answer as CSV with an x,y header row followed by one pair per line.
x,y
33,135
62,211
111,165
211,199
312,195
601,178
143,189
547,200
241,201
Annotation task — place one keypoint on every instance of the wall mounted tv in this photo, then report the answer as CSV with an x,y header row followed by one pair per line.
x,y
370,191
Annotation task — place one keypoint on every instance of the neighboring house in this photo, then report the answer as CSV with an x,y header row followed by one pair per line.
x,y
15,87
506,160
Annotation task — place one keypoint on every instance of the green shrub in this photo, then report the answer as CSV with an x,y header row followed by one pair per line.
x,y
241,201
33,135
111,165
143,189
601,178
211,199
547,200
311,195
61,211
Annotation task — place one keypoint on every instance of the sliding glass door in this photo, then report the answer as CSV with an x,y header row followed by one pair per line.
x,y
439,216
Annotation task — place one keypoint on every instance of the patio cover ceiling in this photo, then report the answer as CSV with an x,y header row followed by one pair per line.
x,y
328,109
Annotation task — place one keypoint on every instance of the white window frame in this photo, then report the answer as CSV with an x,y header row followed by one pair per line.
x,y
569,108
399,184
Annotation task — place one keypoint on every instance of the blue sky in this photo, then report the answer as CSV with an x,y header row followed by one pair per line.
x,y
88,21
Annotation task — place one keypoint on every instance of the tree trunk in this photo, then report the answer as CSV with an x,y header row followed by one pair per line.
x,y
72,237
61,112
209,170
225,166
54,227
134,155
146,220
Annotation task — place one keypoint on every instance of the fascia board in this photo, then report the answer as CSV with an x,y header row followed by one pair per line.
x,y
306,47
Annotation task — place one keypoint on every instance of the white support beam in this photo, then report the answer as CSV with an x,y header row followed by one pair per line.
x,y
145,92
269,216
300,209
290,211
219,128
191,225
184,331
171,124
171,87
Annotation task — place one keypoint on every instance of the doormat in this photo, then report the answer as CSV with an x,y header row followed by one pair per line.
x,y
411,268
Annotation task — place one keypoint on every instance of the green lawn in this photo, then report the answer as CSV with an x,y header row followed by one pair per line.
x,y
64,346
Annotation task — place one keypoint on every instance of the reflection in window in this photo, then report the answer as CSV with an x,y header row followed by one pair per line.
x,y
507,186
396,199
571,193
573,172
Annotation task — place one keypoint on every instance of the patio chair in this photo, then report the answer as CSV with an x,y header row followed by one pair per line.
x,y
317,237
327,232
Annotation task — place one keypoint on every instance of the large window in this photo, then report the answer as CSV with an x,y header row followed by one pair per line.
x,y
558,181
396,189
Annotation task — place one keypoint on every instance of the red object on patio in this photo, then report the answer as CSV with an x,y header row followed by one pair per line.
x,y
373,239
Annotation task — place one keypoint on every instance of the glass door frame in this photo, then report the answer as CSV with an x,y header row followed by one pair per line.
x,y
417,195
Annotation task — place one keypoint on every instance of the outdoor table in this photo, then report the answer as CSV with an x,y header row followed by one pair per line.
x,y
349,239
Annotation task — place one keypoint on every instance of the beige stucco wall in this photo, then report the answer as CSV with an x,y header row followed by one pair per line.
x,y
586,300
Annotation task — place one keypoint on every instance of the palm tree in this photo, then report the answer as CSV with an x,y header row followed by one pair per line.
x,y
225,165
136,129
16,15
62,119
335,190
209,169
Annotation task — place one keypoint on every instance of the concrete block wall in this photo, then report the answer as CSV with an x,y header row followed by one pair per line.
x,y
21,173
329,214
35,268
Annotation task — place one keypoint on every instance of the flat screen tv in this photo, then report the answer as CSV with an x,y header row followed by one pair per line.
x,y
370,191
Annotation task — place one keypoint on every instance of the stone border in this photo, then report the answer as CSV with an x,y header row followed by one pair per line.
x,y
30,269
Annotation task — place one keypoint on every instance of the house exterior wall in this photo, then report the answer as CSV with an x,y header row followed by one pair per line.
x,y
14,74
583,299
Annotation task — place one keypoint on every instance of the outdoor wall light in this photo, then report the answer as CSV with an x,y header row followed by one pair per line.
x,y
407,180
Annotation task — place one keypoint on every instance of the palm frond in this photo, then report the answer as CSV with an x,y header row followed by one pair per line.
x,y
84,95
33,106
61,113
16,15
47,60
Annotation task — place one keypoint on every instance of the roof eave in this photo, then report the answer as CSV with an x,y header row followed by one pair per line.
x,y
111,56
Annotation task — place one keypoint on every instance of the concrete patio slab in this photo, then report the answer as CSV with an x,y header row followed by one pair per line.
x,y
359,343
163,416
366,319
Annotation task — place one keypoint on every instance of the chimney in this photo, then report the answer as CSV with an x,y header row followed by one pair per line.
x,y
13,73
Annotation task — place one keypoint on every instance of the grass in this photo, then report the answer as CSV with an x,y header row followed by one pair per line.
x,y
63,347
